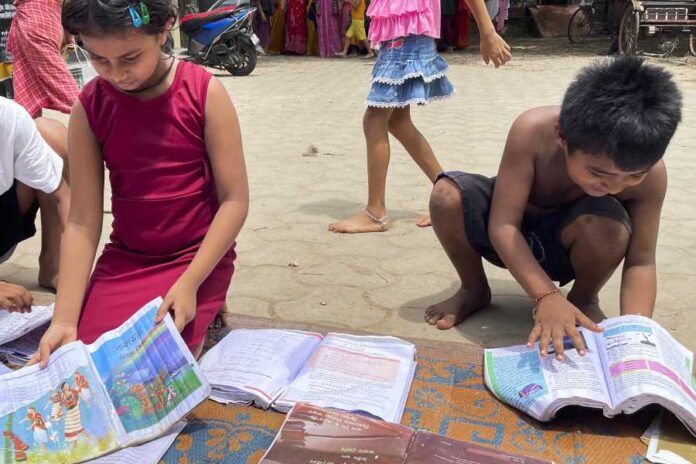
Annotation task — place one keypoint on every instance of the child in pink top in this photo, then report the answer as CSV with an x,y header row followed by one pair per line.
x,y
408,71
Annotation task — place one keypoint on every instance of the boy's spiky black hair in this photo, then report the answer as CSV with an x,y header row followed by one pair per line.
x,y
105,17
622,108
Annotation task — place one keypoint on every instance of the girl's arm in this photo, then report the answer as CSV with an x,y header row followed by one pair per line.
x,y
223,141
493,47
81,237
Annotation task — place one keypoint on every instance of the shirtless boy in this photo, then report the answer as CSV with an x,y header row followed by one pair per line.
x,y
579,189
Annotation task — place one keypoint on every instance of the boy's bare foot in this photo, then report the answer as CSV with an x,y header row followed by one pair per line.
x,y
590,307
48,280
455,309
593,311
362,222
424,221
340,55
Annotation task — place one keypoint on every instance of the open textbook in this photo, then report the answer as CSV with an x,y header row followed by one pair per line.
x,y
278,368
314,435
128,387
19,351
147,453
632,363
14,325
668,442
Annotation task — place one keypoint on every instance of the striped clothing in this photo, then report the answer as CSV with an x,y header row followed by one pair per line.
x,y
41,78
73,419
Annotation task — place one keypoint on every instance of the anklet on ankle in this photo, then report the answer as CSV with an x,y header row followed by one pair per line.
x,y
382,222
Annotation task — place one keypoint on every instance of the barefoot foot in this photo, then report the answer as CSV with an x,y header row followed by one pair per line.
x,y
589,308
424,221
48,280
455,309
361,223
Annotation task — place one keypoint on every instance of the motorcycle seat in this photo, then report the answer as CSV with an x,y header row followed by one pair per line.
x,y
192,22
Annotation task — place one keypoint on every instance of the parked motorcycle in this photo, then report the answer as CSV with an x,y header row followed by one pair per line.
x,y
222,38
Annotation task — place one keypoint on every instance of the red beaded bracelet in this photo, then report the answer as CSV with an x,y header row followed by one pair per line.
x,y
538,299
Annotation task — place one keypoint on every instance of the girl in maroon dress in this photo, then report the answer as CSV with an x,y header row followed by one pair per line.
x,y
169,136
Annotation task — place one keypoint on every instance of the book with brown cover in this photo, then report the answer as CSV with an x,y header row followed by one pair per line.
x,y
314,435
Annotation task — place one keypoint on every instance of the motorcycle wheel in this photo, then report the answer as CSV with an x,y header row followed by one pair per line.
x,y
242,60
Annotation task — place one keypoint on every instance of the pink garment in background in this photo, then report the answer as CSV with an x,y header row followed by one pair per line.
x,y
327,21
393,19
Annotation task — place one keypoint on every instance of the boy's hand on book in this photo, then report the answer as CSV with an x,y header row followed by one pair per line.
x,y
495,50
181,299
56,336
557,318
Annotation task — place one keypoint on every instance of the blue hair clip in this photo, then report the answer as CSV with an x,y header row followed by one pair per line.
x,y
135,17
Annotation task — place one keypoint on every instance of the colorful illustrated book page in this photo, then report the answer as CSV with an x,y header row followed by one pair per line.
x,y
128,387
632,363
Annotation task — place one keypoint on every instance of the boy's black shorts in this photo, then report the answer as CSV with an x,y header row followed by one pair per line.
x,y
15,227
542,234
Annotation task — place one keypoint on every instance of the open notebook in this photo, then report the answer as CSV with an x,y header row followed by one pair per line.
x,y
279,368
15,325
128,387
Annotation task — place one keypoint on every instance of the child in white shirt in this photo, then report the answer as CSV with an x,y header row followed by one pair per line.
x,y
31,179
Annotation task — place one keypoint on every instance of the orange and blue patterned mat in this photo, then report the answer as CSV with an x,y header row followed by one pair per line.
x,y
448,396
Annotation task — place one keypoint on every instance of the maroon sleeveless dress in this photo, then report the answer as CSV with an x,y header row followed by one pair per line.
x,y
163,202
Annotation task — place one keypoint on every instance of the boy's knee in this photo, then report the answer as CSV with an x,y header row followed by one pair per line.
x,y
55,134
444,199
605,236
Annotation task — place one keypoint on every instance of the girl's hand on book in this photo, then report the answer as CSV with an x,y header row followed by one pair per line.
x,y
495,50
557,318
181,299
56,336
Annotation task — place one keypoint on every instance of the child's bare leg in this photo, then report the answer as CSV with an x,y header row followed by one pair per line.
x,y
55,134
197,351
376,128
402,127
368,47
447,211
346,45
597,245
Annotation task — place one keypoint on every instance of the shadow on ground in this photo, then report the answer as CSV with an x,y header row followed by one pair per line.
x,y
507,321
338,209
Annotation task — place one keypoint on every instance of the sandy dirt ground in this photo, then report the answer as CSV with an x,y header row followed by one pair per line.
x,y
291,268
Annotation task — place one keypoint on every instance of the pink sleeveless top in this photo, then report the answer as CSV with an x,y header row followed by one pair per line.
x,y
392,19
163,201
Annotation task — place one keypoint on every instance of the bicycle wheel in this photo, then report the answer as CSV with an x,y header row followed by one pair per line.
x,y
580,24
692,44
628,31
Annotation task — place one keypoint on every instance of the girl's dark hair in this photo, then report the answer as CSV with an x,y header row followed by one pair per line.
x,y
105,17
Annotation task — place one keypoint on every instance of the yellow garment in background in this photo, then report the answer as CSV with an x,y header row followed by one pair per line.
x,y
277,44
359,11
357,30
5,71
312,37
